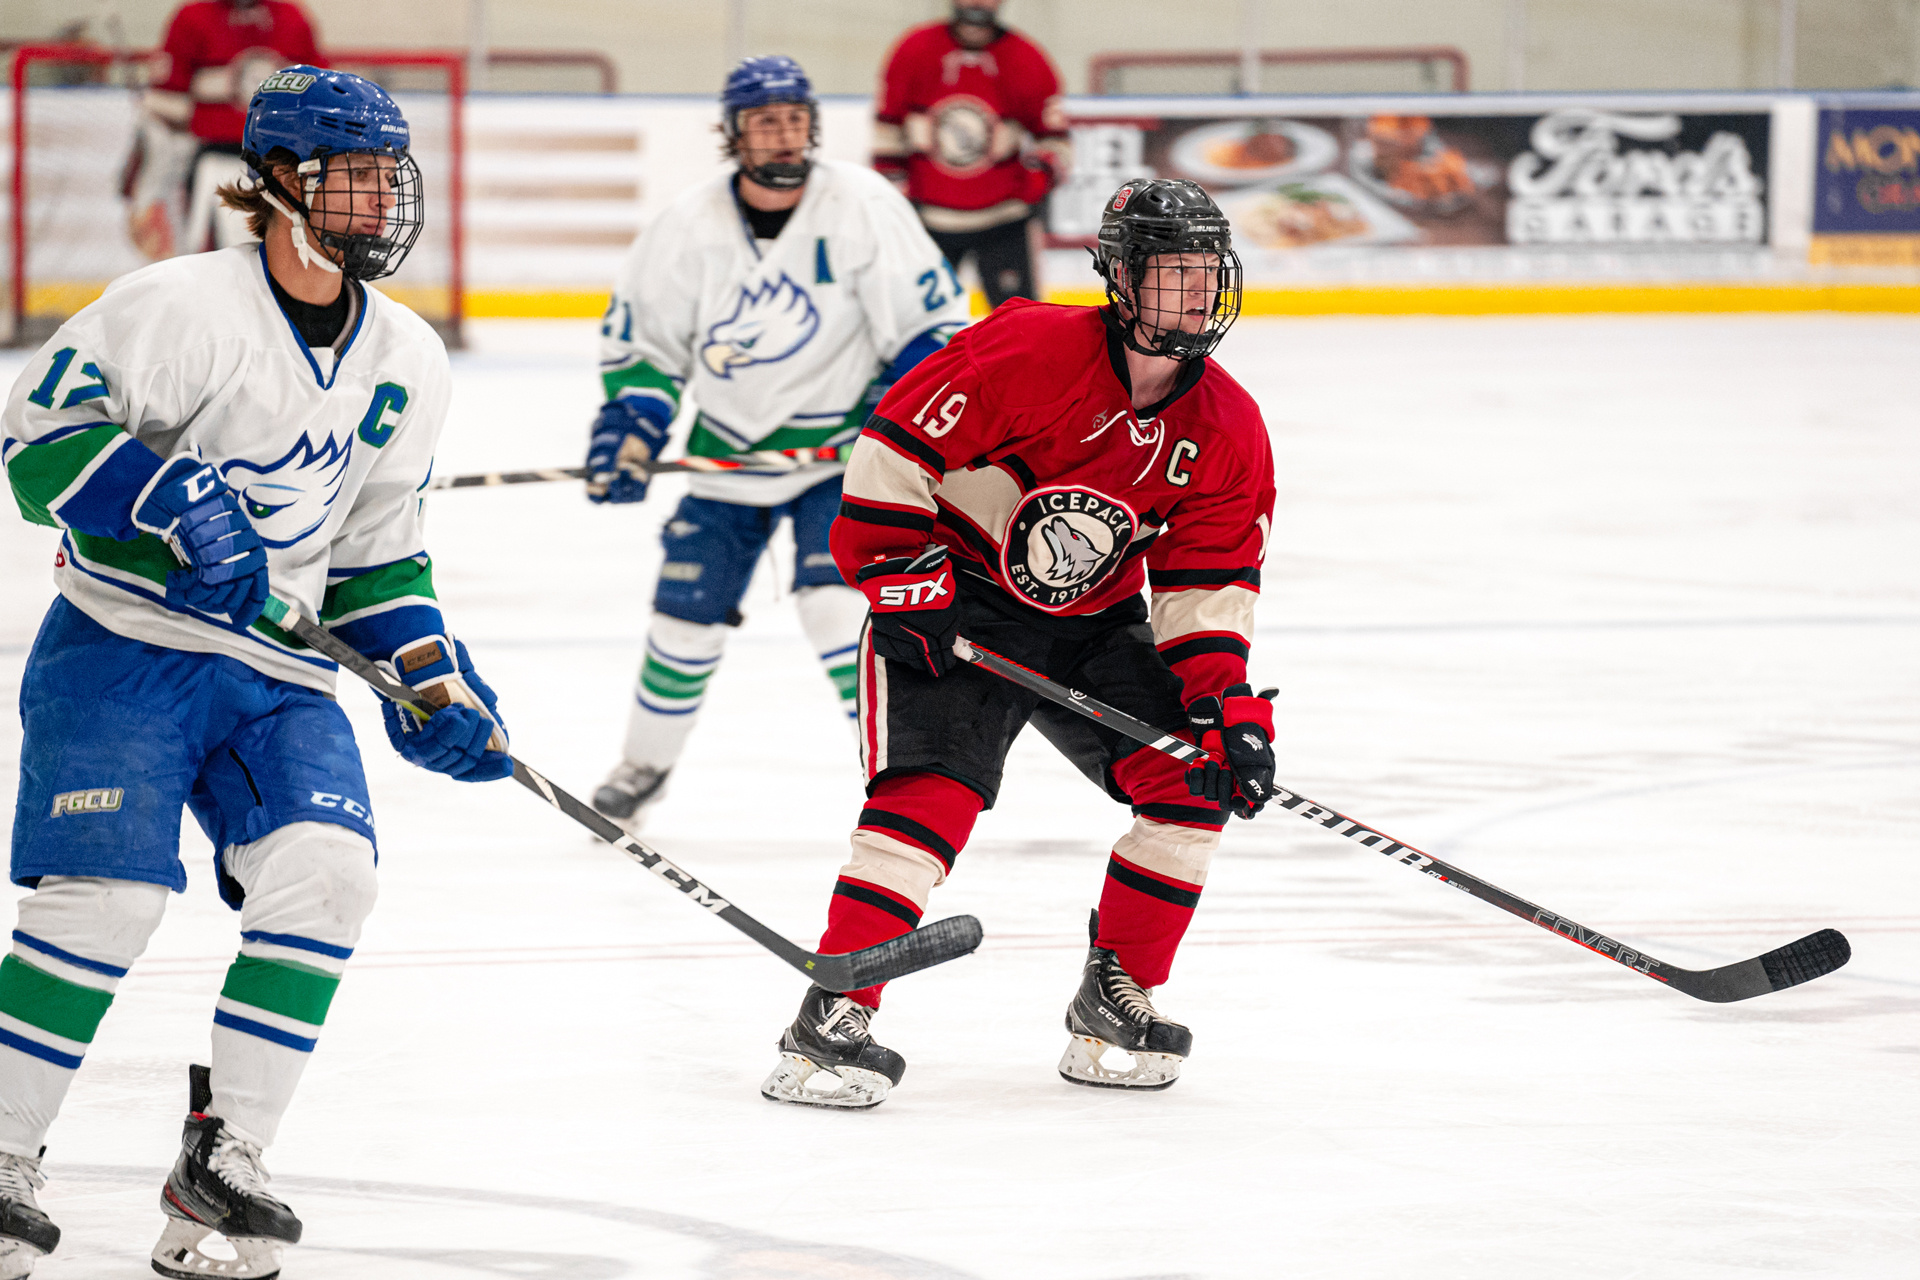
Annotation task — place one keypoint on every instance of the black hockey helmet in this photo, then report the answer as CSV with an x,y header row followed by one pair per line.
x,y
1152,217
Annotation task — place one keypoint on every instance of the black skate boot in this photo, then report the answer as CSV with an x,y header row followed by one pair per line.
x,y
218,1184
26,1234
830,1039
629,791
1112,1011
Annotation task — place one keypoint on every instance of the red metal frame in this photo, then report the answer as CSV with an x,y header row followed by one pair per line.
x,y
1101,64
601,65
453,64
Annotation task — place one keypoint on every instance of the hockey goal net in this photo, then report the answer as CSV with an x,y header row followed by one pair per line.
x,y
69,124
1282,72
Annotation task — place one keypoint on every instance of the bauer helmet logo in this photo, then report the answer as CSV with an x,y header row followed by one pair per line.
x,y
287,82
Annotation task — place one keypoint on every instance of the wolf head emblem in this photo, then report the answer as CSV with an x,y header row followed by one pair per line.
x,y
1074,555
289,498
769,322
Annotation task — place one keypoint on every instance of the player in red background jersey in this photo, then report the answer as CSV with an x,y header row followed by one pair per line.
x,y
1020,488
215,55
969,123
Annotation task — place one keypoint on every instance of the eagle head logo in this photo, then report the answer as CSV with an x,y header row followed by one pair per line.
x,y
770,322
289,498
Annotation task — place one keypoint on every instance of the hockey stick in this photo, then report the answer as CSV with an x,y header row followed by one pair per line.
x,y
769,460
1811,957
932,944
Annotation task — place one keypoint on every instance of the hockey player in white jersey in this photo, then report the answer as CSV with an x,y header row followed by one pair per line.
x,y
215,429
784,298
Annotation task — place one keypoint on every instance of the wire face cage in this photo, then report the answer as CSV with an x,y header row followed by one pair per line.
x,y
367,206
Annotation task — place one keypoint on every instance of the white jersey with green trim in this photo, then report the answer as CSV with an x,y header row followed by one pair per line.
x,y
775,341
328,448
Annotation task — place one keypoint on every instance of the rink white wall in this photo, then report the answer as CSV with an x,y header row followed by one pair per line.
x,y
557,187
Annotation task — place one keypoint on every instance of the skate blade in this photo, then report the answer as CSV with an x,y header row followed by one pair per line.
x,y
799,1080
1084,1063
179,1254
17,1258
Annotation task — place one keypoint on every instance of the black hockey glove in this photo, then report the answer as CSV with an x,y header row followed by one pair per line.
x,y
916,609
1236,731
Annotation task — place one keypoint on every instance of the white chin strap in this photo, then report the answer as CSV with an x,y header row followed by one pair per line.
x,y
309,256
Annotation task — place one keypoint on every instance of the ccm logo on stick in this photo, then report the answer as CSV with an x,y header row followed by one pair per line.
x,y
910,595
92,800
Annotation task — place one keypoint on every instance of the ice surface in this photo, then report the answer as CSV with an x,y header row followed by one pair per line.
x,y
1620,614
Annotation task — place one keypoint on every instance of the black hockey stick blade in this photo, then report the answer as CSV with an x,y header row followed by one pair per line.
x,y
922,948
1813,956
925,947
1789,966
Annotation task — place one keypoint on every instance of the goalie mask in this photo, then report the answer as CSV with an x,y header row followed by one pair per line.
x,y
1173,279
762,82
358,188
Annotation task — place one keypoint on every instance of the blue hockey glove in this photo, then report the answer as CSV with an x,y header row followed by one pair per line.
x,y
630,432
225,566
466,739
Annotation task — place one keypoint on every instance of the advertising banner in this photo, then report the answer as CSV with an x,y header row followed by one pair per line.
x,y
1866,188
1577,176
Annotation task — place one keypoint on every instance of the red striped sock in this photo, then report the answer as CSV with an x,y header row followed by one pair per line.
x,y
1143,916
928,811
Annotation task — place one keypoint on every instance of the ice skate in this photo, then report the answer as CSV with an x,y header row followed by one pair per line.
x,y
26,1234
630,792
218,1185
828,1057
1112,1018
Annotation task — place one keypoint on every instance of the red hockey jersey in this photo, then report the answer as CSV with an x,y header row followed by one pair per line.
x,y
1018,447
216,55
951,122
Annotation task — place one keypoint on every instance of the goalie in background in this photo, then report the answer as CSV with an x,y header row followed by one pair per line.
x,y
215,55
784,297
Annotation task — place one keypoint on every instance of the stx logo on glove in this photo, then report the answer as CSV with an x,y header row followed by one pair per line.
x,y
911,595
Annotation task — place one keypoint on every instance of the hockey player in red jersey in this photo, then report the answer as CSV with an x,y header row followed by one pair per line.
x,y
969,123
1019,488
215,55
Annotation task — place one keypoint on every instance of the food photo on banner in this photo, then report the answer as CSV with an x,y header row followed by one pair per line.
x,y
1866,188
1576,176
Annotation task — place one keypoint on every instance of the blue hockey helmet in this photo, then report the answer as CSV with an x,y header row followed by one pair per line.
x,y
762,82
301,116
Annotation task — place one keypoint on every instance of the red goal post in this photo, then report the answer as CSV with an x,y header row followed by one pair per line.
x,y
67,234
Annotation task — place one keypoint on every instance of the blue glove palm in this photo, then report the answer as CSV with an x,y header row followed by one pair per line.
x,y
456,739
630,431
225,566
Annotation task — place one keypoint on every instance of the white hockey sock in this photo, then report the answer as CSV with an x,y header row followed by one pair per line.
x,y
309,886
77,936
681,657
832,617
